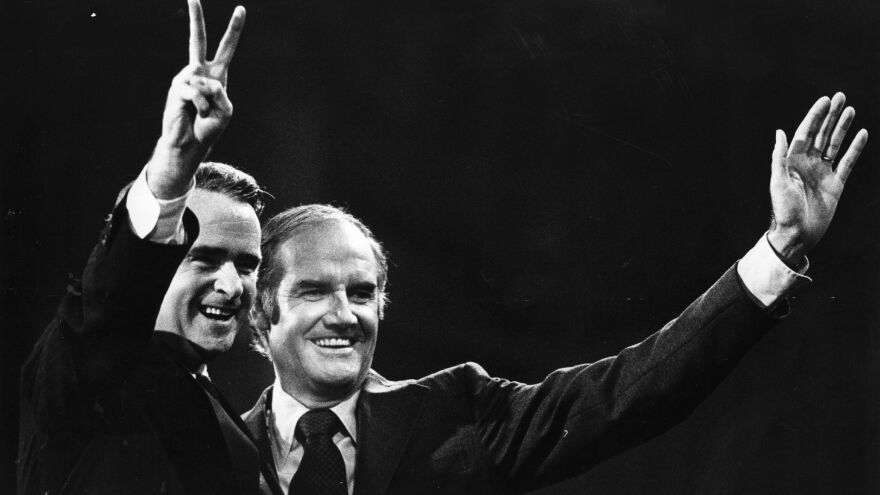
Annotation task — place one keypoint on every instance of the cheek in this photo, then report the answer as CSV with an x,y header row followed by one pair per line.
x,y
283,348
293,324
178,284
368,317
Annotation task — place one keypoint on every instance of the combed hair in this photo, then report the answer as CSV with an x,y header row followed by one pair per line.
x,y
287,225
232,182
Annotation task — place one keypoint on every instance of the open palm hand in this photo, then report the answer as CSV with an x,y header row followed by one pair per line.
x,y
805,187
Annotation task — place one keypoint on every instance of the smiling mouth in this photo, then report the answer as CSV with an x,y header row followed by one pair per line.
x,y
217,313
334,343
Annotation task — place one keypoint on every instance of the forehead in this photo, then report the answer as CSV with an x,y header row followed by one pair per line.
x,y
224,221
333,249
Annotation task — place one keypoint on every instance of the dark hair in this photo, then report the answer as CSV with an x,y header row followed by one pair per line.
x,y
234,184
285,226
228,180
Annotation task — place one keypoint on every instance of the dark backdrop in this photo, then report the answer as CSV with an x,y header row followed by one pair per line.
x,y
554,180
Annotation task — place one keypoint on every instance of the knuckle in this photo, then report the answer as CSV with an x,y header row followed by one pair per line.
x,y
187,72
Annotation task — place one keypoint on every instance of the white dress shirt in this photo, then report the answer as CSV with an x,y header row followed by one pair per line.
x,y
154,219
288,451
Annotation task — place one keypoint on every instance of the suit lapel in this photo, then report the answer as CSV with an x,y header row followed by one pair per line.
x,y
185,421
386,416
212,428
254,423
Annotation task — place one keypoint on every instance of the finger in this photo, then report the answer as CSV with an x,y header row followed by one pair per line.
x,y
830,122
222,103
852,155
206,85
230,38
197,38
182,91
839,133
777,163
184,75
208,90
202,104
806,132
190,92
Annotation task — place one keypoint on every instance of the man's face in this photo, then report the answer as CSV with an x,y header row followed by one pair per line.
x,y
328,305
211,294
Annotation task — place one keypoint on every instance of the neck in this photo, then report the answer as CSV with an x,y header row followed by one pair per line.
x,y
317,400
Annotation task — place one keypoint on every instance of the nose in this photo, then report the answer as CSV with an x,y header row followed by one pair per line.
x,y
340,316
228,281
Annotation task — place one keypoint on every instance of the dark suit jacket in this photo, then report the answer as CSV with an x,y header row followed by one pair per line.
x,y
461,431
106,408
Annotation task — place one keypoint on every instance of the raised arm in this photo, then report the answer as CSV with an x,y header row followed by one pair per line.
x,y
805,186
123,269
128,272
197,109
580,416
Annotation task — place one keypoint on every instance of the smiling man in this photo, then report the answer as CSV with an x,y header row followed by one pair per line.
x,y
210,296
334,426
115,395
330,317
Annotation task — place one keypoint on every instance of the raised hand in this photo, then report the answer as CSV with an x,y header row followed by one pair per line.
x,y
805,186
197,109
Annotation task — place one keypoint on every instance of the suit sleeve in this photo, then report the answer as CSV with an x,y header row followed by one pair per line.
x,y
103,325
577,417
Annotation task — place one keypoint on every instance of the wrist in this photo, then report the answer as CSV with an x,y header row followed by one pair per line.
x,y
171,169
789,246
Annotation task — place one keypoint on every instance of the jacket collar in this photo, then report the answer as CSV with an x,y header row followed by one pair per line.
x,y
256,421
386,414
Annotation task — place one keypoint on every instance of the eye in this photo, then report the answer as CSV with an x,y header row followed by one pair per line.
x,y
312,294
247,264
246,269
362,296
203,260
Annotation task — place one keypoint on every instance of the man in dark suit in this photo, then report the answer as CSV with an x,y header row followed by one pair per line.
x,y
332,425
115,395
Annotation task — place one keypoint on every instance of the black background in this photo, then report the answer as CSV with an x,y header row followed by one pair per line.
x,y
553,179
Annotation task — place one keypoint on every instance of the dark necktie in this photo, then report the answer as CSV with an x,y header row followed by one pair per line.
x,y
322,470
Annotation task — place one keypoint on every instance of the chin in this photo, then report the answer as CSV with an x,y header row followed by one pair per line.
x,y
337,381
223,346
218,344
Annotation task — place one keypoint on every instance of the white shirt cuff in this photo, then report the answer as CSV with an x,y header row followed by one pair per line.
x,y
765,275
154,219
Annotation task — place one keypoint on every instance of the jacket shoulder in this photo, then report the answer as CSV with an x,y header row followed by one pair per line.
x,y
462,378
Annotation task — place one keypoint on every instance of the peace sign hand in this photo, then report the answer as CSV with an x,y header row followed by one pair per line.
x,y
197,109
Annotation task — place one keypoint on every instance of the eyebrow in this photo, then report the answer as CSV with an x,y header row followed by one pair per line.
x,y
363,285
246,259
318,284
309,282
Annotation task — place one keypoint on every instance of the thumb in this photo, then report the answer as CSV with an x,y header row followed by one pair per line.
x,y
777,163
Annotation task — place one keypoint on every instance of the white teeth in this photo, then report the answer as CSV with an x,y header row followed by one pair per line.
x,y
334,342
210,310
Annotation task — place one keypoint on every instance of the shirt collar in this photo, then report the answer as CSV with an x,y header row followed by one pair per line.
x,y
286,412
184,352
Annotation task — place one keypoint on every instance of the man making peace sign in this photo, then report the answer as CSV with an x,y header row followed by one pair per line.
x,y
115,398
